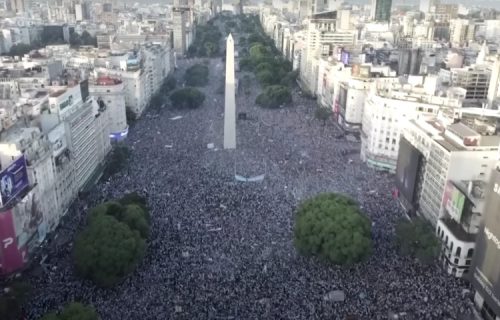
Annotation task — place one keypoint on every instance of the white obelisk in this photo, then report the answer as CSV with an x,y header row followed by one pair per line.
x,y
230,98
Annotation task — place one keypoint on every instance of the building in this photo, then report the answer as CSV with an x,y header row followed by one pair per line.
x,y
308,8
494,85
485,271
388,108
442,173
109,93
426,5
179,22
381,10
17,6
474,79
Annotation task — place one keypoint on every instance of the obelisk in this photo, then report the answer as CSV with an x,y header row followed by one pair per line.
x,y
230,98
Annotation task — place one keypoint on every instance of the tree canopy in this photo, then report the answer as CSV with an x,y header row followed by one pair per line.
x,y
73,311
187,98
274,97
117,159
107,250
207,41
196,76
332,227
416,238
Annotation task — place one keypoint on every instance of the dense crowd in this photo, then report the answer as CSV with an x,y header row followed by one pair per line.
x,y
222,249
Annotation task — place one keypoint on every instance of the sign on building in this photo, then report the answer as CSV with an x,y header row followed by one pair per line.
x,y
13,180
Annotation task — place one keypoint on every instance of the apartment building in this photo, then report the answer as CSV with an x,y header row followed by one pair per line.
x,y
442,172
389,106
109,93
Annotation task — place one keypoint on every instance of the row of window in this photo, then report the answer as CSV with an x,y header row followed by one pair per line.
x,y
458,251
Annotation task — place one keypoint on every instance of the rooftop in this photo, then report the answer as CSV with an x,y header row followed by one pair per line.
x,y
457,230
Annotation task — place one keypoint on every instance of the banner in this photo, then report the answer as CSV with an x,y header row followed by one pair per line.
x,y
11,257
13,180
453,201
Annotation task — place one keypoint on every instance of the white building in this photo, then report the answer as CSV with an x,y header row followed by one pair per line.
x,y
455,166
111,93
388,109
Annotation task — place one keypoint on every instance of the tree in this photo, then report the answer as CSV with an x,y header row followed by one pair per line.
x,y
190,98
266,77
107,251
323,114
290,78
209,48
74,311
196,76
136,219
134,215
332,227
117,159
274,97
169,84
416,238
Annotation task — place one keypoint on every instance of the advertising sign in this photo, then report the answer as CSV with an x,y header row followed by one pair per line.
x,y
453,201
406,170
11,257
485,266
13,180
28,217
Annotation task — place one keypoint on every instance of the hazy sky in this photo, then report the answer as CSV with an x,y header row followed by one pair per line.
x,y
480,3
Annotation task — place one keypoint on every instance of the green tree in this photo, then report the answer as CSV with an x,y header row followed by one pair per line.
x,y
187,98
209,48
196,76
274,97
290,78
169,84
134,215
323,114
266,77
107,251
416,238
136,219
332,227
74,311
117,159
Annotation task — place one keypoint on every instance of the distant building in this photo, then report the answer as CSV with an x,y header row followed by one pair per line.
x,y
381,10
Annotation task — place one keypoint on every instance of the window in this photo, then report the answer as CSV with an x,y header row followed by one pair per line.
x,y
470,253
456,260
459,251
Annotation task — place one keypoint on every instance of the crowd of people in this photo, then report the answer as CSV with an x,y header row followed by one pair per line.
x,y
223,249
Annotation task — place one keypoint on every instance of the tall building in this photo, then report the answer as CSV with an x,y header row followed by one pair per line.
x,y
493,89
17,6
381,10
309,7
426,5
179,22
486,270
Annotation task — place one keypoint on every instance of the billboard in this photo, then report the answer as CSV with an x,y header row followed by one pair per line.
x,y
13,180
406,170
485,266
12,257
29,219
453,201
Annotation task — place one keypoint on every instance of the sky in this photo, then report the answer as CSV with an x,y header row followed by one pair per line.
x,y
479,3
